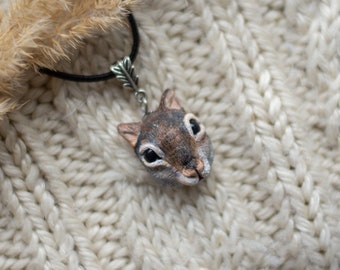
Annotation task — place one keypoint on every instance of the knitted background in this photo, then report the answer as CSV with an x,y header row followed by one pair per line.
x,y
263,75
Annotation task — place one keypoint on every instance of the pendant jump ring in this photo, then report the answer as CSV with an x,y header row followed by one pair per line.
x,y
141,98
140,94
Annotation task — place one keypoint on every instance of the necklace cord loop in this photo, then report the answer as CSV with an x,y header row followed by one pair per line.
x,y
103,76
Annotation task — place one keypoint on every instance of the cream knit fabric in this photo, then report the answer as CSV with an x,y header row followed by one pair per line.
x,y
264,77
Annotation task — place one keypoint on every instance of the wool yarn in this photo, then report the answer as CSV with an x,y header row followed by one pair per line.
x,y
263,76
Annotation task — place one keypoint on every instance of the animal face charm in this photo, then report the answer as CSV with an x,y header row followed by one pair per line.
x,y
171,144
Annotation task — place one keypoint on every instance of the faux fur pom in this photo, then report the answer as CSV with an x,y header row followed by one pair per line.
x,y
37,33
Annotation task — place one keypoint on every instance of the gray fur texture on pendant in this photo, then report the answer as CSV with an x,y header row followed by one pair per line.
x,y
171,144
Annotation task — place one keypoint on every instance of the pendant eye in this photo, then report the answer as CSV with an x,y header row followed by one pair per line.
x,y
195,127
150,156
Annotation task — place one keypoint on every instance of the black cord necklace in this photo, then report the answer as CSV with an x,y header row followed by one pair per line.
x,y
171,144
104,76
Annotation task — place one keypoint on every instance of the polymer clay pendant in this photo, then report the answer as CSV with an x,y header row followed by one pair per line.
x,y
171,144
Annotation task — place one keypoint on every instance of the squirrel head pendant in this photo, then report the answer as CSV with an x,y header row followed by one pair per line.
x,y
171,144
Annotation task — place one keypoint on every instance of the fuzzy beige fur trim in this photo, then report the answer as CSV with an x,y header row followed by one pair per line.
x,y
37,33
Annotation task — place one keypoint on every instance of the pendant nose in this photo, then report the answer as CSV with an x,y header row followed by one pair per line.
x,y
190,172
194,164
193,168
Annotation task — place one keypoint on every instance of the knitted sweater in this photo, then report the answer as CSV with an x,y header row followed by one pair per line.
x,y
263,76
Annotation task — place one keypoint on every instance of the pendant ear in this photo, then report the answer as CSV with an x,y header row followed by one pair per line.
x,y
169,101
130,132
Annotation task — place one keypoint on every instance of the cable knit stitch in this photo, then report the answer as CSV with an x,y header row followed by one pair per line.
x,y
264,78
